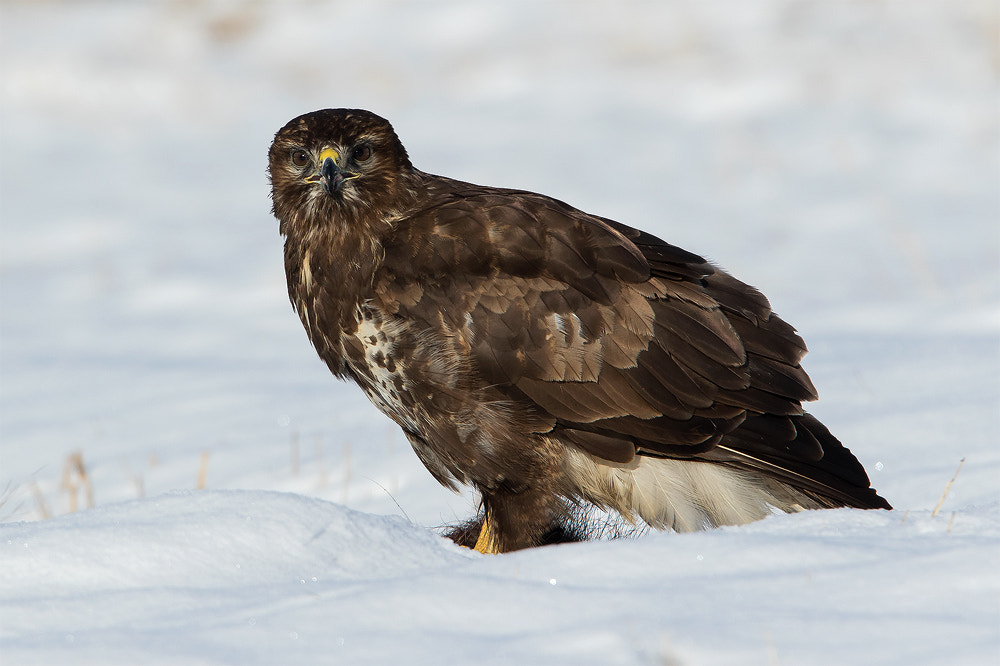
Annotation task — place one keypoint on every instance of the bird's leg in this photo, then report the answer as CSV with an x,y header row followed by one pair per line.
x,y
515,520
487,542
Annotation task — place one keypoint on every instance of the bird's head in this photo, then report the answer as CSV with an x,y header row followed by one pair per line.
x,y
337,166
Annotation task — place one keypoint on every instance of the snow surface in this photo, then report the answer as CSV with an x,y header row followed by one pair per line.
x,y
842,156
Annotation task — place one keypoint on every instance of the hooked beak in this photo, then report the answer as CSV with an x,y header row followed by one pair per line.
x,y
332,176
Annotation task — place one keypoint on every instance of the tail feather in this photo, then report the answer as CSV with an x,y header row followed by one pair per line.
x,y
834,478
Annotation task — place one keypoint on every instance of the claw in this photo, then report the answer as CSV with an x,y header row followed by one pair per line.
x,y
487,542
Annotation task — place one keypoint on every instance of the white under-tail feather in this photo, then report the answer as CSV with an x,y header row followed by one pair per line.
x,y
677,494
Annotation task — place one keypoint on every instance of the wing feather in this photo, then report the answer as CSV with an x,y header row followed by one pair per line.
x,y
707,331
664,371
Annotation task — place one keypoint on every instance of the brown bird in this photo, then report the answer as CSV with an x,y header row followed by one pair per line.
x,y
550,358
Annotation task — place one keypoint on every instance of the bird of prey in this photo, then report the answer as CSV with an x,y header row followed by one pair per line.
x,y
552,359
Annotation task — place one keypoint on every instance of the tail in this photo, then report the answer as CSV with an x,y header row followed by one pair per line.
x,y
800,453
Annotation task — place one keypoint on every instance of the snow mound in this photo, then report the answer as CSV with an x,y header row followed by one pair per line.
x,y
212,539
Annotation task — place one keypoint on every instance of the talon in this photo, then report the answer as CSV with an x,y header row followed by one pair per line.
x,y
487,543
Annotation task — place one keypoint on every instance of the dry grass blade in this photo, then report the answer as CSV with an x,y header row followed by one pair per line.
x,y
75,477
947,488
202,471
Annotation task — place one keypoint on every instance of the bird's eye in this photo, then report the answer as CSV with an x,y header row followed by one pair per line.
x,y
362,153
300,158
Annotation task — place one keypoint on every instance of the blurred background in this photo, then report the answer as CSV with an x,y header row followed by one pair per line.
x,y
842,156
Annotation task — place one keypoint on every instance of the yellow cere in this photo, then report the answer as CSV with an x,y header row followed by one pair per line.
x,y
328,152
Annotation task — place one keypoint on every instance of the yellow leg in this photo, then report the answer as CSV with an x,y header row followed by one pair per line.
x,y
486,543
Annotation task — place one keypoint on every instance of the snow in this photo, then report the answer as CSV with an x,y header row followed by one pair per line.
x,y
841,156
259,577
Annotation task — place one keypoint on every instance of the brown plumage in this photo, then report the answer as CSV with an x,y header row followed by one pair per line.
x,y
548,357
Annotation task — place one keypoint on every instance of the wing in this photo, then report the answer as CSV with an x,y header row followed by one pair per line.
x,y
629,345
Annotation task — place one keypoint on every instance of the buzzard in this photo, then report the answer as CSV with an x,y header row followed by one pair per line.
x,y
552,359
